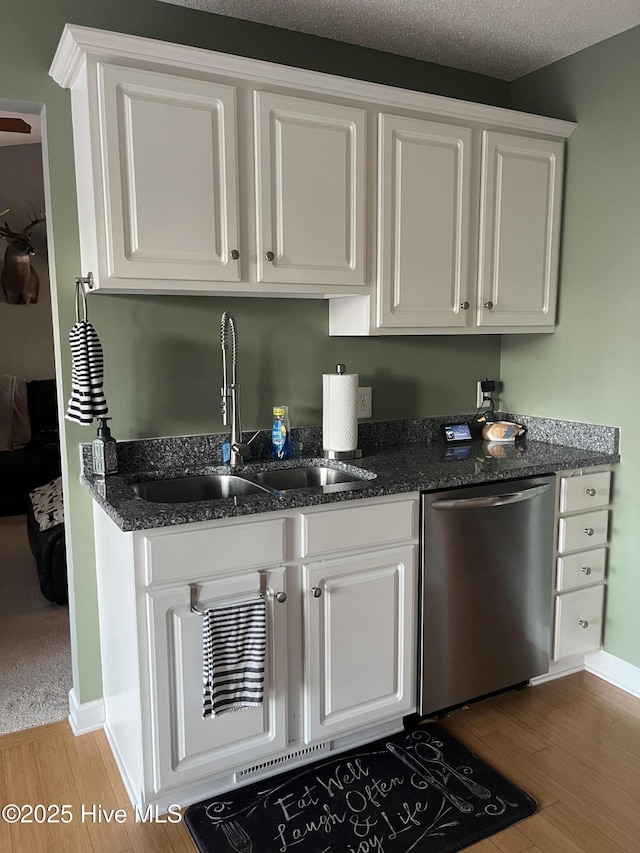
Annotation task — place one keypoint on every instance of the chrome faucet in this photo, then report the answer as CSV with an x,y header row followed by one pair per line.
x,y
230,391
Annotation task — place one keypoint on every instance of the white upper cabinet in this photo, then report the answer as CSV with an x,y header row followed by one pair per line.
x,y
520,209
169,177
310,191
424,189
203,172
468,233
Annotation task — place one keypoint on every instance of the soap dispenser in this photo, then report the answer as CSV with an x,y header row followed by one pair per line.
x,y
103,450
280,433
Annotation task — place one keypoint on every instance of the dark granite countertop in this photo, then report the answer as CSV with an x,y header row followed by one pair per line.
x,y
409,467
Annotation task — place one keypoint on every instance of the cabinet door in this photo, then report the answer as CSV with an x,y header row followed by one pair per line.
x,y
519,230
184,745
360,641
310,192
423,223
169,177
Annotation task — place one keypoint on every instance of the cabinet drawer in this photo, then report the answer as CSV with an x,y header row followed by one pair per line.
x,y
586,492
578,622
357,528
587,530
583,569
192,554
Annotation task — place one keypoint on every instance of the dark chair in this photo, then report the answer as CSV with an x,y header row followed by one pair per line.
x,y
37,463
48,548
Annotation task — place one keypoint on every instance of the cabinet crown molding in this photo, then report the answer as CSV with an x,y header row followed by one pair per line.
x,y
78,43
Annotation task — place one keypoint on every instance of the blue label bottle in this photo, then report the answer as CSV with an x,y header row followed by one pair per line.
x,y
280,435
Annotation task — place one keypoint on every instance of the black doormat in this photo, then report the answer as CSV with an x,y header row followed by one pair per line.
x,y
417,791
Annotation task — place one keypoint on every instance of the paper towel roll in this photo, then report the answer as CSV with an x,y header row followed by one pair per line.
x,y
340,411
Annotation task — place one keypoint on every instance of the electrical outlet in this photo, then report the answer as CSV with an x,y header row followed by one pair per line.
x,y
364,402
481,402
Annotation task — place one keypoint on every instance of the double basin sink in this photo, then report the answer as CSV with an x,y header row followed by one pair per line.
x,y
207,487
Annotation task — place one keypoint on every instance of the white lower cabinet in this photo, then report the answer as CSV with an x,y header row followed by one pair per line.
x,y
341,641
583,519
200,745
358,610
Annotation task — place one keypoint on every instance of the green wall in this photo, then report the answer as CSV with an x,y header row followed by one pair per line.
x,y
284,348
162,356
588,369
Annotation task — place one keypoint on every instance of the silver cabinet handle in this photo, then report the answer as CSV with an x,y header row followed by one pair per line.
x,y
316,592
281,597
464,306
591,492
269,256
235,254
586,570
589,531
583,623
488,305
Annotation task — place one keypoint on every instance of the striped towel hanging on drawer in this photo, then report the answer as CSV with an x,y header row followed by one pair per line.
x,y
87,399
233,647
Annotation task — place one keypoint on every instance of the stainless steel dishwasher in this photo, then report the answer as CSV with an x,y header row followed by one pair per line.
x,y
486,574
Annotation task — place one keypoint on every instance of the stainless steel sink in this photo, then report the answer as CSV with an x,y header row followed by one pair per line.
x,y
209,487
305,477
205,487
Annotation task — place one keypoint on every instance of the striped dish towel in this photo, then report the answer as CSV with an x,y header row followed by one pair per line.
x,y
233,646
87,372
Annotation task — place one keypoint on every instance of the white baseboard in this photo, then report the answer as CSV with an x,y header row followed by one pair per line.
x,y
567,666
609,668
616,671
86,716
136,800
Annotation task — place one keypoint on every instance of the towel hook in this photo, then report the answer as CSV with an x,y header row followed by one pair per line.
x,y
81,296
194,599
194,589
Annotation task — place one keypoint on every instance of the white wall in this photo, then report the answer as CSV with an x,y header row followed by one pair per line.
x,y
26,332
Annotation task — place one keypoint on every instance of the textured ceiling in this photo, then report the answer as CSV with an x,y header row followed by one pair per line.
x,y
501,38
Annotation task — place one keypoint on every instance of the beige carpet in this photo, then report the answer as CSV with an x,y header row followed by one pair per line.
x,y
35,651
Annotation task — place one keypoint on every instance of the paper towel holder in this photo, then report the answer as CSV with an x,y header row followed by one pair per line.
x,y
356,453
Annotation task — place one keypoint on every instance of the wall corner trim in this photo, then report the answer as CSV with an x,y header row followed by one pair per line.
x,y
85,717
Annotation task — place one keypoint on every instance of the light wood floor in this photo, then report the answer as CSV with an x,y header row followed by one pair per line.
x,y
573,744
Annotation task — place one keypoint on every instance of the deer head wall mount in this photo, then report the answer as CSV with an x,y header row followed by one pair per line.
x,y
20,282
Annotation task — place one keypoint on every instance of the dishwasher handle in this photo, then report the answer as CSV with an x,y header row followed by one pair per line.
x,y
491,500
